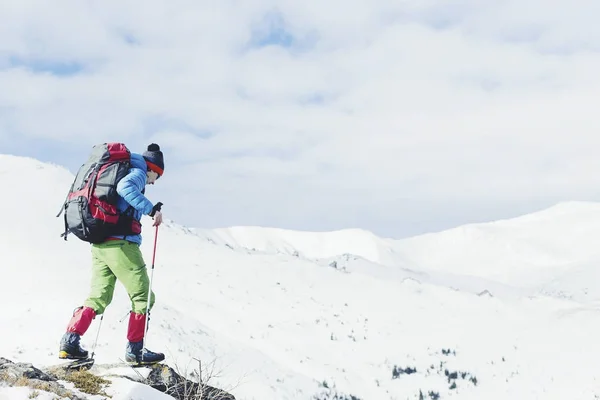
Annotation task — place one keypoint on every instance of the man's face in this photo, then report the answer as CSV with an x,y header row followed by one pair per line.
x,y
151,177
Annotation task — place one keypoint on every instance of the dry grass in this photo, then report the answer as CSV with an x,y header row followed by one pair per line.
x,y
88,382
84,381
36,385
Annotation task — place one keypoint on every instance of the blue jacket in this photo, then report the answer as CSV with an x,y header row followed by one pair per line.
x,y
131,191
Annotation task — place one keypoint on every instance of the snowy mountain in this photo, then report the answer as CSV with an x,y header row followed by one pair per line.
x,y
530,254
499,310
310,244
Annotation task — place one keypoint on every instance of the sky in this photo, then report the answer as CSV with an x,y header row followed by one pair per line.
x,y
399,117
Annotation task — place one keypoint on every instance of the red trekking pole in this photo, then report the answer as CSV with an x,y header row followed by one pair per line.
x,y
150,289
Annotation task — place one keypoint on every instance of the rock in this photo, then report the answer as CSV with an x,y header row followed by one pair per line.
x,y
165,379
24,374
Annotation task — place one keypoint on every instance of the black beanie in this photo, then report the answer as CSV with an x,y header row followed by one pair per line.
x,y
154,159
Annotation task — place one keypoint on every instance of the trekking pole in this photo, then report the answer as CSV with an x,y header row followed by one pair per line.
x,y
150,289
97,335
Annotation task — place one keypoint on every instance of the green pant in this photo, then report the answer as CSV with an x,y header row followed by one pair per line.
x,y
122,260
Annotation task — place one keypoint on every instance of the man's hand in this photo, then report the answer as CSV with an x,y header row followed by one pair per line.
x,y
157,218
156,214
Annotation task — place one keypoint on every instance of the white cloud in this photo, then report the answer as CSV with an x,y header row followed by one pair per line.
x,y
377,105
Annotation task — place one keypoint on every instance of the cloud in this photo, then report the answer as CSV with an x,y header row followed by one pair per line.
x,y
318,115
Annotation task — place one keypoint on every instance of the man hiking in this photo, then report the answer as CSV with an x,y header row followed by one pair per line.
x,y
119,258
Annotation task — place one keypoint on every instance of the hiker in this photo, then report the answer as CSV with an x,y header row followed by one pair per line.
x,y
119,258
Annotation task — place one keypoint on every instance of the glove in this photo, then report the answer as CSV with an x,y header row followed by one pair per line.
x,y
156,208
157,219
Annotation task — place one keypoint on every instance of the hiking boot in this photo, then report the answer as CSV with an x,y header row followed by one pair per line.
x,y
70,347
136,354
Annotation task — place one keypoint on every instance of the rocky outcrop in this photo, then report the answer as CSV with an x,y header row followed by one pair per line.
x,y
24,374
161,377
165,379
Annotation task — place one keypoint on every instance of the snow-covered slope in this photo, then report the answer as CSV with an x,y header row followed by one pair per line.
x,y
522,251
552,250
309,244
283,325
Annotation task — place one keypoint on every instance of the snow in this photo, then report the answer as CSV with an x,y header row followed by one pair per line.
x,y
22,393
308,244
275,314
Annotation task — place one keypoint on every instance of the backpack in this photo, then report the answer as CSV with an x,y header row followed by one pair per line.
x,y
90,208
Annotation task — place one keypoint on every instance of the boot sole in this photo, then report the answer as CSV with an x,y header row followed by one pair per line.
x,y
66,356
83,364
142,363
